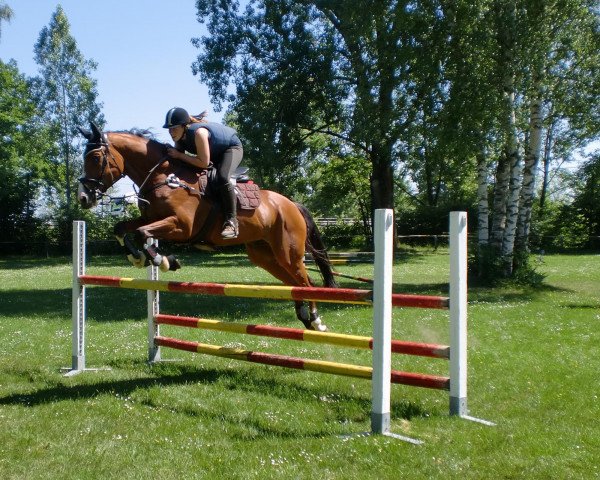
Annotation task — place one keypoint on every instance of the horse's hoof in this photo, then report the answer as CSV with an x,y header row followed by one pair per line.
x,y
164,264
173,263
137,262
317,325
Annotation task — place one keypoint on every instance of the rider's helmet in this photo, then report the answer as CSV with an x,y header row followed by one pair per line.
x,y
176,116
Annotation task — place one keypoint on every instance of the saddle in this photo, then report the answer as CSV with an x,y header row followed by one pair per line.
x,y
246,191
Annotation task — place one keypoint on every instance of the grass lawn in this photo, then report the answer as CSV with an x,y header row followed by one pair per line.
x,y
534,358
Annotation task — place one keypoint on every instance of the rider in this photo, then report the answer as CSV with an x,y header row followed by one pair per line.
x,y
208,142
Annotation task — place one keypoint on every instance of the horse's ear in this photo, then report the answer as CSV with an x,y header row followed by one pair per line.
x,y
97,133
86,133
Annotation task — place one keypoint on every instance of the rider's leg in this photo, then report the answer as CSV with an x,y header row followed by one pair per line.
x,y
230,226
229,162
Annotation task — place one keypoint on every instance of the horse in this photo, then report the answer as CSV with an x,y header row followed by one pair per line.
x,y
174,207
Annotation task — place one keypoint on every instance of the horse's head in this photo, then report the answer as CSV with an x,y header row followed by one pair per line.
x,y
101,167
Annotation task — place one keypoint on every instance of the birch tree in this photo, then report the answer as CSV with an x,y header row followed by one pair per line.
x,y
547,58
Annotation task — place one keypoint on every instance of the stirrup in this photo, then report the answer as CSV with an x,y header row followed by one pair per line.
x,y
230,229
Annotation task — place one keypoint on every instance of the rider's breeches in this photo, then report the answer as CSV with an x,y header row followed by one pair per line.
x,y
229,162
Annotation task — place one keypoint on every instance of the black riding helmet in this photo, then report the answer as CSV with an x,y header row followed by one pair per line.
x,y
176,116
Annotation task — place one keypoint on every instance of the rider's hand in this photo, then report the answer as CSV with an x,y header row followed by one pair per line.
x,y
172,152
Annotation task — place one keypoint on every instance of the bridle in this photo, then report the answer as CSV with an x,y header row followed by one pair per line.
x,y
96,185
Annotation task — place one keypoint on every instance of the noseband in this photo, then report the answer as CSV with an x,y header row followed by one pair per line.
x,y
96,184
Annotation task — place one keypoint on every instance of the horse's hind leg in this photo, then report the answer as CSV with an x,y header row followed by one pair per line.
x,y
261,254
291,258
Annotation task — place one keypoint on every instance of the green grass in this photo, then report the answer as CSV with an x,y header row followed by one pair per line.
x,y
534,359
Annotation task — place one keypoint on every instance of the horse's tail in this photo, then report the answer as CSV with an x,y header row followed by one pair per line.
x,y
316,247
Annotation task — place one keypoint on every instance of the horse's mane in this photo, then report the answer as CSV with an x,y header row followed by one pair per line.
x,y
142,133
138,132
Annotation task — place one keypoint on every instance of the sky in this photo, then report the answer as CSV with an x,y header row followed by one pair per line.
x,y
142,47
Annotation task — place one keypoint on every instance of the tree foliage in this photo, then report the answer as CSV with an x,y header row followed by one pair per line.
x,y
586,202
22,155
6,15
454,101
306,68
546,57
67,97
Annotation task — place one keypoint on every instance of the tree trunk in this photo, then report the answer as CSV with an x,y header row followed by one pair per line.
x,y
546,163
499,203
512,203
483,210
506,200
532,157
382,179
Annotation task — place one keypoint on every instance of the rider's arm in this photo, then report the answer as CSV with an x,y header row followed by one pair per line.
x,y
202,158
202,148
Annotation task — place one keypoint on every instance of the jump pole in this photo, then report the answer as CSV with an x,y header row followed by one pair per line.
x,y
153,302
78,304
382,321
458,318
458,313
78,301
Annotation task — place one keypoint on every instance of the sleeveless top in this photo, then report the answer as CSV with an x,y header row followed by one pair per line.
x,y
220,138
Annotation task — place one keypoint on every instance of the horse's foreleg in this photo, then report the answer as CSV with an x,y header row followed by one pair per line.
x,y
149,253
168,229
164,262
134,255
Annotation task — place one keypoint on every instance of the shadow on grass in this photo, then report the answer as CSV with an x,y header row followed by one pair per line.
x,y
512,293
261,383
36,303
582,306
19,262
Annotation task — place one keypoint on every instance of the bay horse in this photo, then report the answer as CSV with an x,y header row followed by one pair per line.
x,y
276,234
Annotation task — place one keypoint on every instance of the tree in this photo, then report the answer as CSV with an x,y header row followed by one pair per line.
x,y
563,56
546,57
586,202
67,97
454,97
22,156
303,68
6,15
284,92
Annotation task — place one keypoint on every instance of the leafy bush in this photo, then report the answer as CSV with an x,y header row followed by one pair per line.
x,y
344,236
486,268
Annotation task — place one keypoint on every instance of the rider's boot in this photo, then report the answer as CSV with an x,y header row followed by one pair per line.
x,y
230,226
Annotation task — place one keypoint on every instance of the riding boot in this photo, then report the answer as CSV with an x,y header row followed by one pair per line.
x,y
230,226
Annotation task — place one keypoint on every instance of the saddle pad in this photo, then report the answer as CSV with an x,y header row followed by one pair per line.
x,y
248,195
